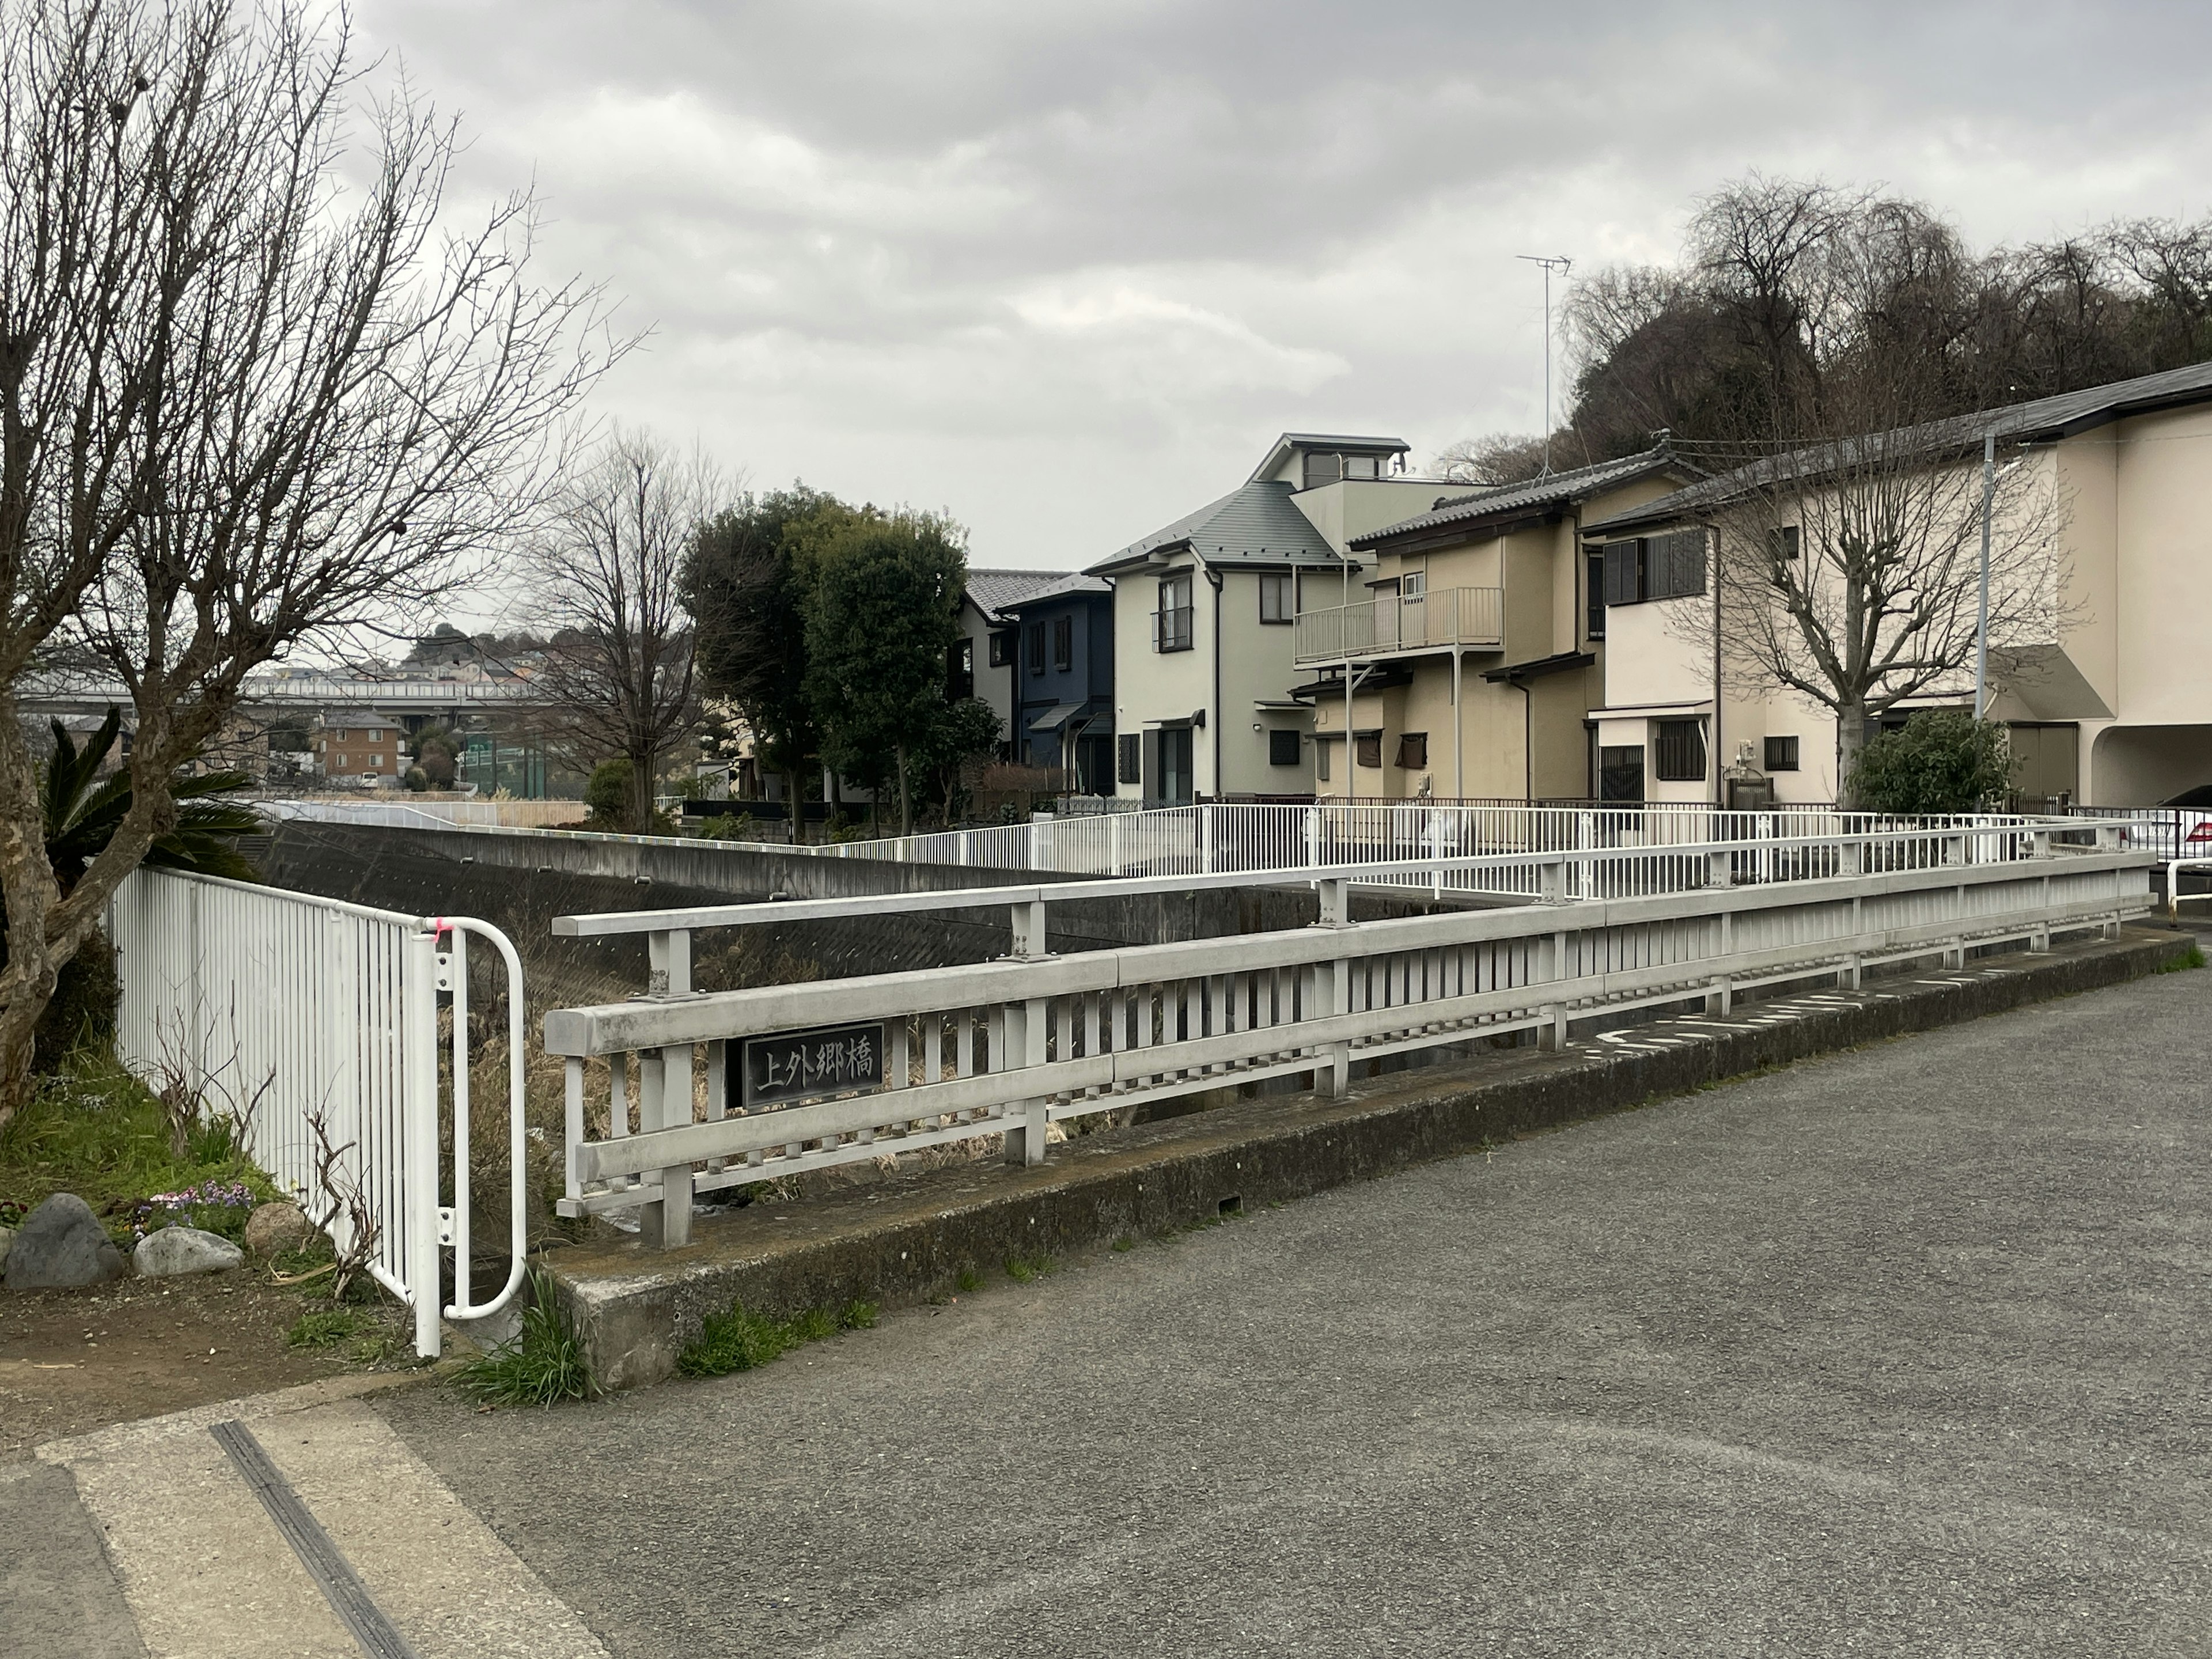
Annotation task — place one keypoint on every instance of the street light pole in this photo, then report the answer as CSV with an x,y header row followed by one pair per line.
x,y
1550,263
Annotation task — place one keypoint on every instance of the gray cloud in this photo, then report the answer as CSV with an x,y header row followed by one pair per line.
x,y
1064,270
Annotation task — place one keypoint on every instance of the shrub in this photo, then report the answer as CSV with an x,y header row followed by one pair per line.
x,y
1942,760
607,795
82,1015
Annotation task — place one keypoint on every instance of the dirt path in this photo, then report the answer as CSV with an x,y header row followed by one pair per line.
x,y
74,1360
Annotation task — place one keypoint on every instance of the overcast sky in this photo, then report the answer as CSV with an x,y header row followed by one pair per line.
x,y
1065,270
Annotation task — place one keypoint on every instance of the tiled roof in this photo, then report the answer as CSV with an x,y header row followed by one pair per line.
x,y
2041,420
1555,488
1255,523
992,591
1076,582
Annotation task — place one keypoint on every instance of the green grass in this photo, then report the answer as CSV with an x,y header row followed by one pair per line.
x,y
543,1366
740,1340
968,1281
1022,1269
324,1328
1124,1242
93,1129
2181,961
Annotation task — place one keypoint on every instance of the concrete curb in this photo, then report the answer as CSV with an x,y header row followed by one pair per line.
x,y
634,1309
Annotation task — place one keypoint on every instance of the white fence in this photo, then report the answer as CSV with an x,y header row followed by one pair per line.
x,y
901,1061
1777,845
278,1008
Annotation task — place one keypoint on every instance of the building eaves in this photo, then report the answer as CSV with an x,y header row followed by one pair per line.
x,y
1340,443
2042,420
1501,501
1075,582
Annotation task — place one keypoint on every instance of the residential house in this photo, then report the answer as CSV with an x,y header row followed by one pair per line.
x,y
2114,709
361,747
1063,696
1205,609
982,658
1470,669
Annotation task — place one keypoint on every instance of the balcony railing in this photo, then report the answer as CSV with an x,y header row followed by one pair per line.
x,y
1172,629
1448,616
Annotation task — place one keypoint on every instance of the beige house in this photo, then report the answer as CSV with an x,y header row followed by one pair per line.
x,y
1469,671
1205,610
2113,708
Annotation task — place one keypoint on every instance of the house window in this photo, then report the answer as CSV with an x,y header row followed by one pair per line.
x,y
1323,470
1621,772
1783,543
1322,746
1363,466
1413,585
1275,598
1132,757
342,760
1681,751
1594,598
375,763
1282,747
375,734
1413,752
1371,750
1670,567
1002,649
960,675
1063,643
1035,633
1782,754
1171,621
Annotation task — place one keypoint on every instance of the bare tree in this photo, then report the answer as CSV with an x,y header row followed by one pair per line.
x,y
607,571
1848,574
1502,457
243,405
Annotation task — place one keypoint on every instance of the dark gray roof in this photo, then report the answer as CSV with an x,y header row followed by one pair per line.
x,y
1257,523
1076,582
2041,420
992,591
1555,489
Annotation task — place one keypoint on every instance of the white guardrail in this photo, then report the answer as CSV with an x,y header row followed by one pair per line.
x,y
276,1008
800,1076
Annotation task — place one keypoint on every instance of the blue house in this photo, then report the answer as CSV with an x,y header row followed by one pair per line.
x,y
1063,702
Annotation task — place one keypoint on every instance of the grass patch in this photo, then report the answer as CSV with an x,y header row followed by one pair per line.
x,y
94,1130
1123,1243
740,1340
1023,1270
968,1281
324,1328
2183,961
543,1366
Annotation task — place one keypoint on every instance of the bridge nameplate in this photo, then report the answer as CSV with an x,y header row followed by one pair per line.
x,y
794,1065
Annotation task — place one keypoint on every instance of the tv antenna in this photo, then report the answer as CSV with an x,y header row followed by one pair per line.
x,y
1551,262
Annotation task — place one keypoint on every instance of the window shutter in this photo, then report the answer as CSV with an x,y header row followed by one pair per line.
x,y
1132,758
1620,572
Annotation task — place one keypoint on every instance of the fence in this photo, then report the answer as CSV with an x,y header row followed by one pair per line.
x,y
294,1015
1780,843
800,1077
2171,832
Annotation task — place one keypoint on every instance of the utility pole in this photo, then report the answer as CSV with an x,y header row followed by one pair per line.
x,y
1552,262
1981,618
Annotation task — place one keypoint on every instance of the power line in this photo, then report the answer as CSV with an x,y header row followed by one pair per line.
x,y
1550,262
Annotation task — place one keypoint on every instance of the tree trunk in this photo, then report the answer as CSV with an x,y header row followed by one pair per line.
x,y
798,797
642,766
1850,744
906,795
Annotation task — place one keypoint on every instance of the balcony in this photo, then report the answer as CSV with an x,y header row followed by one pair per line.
x,y
1172,629
1379,628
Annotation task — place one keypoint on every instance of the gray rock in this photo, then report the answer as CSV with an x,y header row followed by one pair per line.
x,y
278,1226
7,1236
61,1245
168,1251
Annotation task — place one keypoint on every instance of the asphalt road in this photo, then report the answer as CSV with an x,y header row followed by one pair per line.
x,y
1897,1352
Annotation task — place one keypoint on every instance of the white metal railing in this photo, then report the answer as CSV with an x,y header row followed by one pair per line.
x,y
902,1061
1216,838
280,1009
1445,615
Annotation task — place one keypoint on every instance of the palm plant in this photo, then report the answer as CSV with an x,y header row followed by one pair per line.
x,y
82,811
